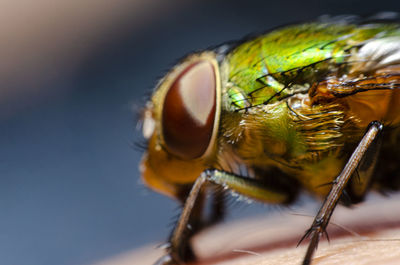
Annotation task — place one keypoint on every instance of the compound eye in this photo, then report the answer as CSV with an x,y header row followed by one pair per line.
x,y
189,111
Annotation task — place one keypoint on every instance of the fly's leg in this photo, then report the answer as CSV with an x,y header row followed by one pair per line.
x,y
325,212
217,210
198,220
361,180
252,188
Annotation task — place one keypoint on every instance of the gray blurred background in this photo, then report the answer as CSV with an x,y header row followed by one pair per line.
x,y
73,75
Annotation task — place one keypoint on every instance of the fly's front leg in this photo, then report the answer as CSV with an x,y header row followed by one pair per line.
x,y
252,188
178,243
324,214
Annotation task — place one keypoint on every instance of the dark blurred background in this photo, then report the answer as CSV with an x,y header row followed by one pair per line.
x,y
73,75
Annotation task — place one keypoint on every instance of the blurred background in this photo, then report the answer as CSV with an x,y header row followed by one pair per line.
x,y
73,76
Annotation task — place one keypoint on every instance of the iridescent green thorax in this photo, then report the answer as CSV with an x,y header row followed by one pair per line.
x,y
286,61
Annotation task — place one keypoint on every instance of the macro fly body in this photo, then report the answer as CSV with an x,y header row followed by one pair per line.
x,y
310,107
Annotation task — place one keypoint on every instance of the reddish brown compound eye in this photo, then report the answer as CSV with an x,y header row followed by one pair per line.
x,y
189,111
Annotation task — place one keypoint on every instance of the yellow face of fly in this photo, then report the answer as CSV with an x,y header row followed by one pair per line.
x,y
181,124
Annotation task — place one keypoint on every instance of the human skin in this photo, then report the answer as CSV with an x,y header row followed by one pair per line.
x,y
368,233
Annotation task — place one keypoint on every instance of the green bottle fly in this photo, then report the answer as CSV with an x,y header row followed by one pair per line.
x,y
300,108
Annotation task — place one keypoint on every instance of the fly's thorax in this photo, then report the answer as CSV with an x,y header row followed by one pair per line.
x,y
303,141
181,123
293,134
262,135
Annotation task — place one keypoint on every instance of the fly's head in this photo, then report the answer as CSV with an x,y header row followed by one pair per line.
x,y
181,123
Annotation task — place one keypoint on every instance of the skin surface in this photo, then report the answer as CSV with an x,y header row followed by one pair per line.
x,y
367,234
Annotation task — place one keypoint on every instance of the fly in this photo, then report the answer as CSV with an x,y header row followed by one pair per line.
x,y
300,108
